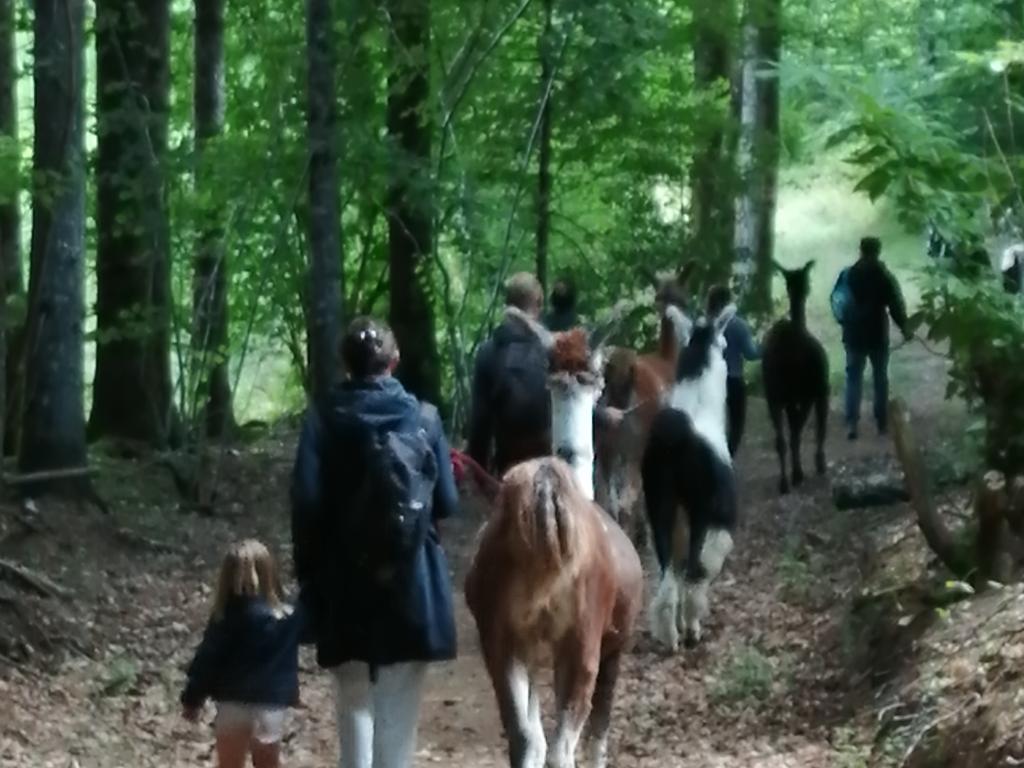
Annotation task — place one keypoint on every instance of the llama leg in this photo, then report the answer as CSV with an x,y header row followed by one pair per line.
x,y
601,713
577,664
512,689
821,428
715,546
775,412
797,416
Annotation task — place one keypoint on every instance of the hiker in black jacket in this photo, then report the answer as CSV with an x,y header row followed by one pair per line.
x,y
562,315
511,409
379,596
510,419
876,296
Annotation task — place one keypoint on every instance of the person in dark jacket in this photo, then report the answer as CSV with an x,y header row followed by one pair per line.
x,y
562,315
248,660
510,419
739,348
375,637
876,296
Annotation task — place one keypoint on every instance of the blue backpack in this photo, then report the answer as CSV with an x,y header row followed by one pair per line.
x,y
843,303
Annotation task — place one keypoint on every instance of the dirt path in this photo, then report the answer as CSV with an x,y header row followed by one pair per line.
x,y
765,690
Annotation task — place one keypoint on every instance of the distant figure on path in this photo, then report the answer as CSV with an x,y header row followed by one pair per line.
x,y
372,477
740,347
875,293
562,315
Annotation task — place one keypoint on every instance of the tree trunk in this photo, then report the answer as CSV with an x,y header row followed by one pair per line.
x,y
54,428
325,274
132,396
747,208
713,172
410,197
991,504
767,149
10,210
210,286
546,46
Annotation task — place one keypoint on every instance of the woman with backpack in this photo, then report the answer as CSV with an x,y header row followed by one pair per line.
x,y
372,477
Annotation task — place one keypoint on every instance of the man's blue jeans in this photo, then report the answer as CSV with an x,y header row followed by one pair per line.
x,y
856,362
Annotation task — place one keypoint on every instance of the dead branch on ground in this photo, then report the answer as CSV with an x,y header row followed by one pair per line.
x,y
938,536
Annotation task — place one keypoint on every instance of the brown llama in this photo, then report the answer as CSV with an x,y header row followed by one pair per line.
x,y
555,581
637,384
795,368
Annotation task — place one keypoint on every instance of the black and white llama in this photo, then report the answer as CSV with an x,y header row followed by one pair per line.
x,y
795,368
689,487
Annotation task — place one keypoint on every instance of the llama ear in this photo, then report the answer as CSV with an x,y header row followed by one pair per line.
x,y
546,338
809,265
724,318
682,324
603,331
778,267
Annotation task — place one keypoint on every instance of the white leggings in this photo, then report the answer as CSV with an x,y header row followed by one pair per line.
x,y
377,721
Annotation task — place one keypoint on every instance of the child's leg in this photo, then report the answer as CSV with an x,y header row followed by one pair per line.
x,y
267,734
266,755
232,746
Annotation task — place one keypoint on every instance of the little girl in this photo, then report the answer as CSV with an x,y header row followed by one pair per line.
x,y
248,661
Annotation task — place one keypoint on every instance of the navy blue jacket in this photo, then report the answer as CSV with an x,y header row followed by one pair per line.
x,y
250,656
502,434
876,295
352,622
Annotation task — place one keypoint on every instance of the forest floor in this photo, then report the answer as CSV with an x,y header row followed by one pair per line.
x,y
91,680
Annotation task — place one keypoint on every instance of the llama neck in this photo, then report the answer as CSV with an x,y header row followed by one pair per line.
x,y
572,433
798,312
703,400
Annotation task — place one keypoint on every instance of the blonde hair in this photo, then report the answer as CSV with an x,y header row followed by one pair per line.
x,y
248,570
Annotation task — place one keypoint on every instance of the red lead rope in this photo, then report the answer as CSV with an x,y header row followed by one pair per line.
x,y
464,465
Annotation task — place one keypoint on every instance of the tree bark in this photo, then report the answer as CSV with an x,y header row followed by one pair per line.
x,y
747,208
210,344
410,197
10,239
713,172
767,149
325,274
547,52
132,396
10,210
990,507
54,426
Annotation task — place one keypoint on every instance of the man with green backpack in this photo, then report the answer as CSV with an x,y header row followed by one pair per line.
x,y
864,297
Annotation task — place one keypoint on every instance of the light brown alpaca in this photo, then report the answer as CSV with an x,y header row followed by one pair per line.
x,y
556,582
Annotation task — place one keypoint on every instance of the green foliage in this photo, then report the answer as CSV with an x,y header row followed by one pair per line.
x,y
748,675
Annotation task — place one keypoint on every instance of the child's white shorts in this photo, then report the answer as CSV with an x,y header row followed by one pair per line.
x,y
265,724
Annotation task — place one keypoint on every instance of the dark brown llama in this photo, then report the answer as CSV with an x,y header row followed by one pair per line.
x,y
795,368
